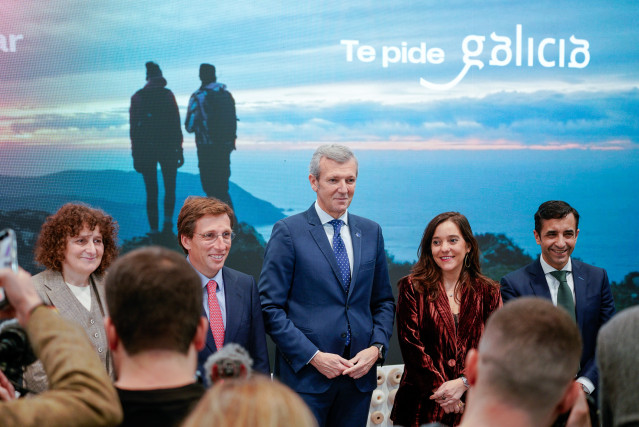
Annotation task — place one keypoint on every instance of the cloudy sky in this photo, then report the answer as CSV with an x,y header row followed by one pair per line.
x,y
69,67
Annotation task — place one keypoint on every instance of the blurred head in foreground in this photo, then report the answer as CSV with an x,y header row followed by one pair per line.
x,y
526,364
249,402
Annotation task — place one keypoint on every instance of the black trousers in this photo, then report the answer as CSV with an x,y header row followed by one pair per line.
x,y
169,174
214,161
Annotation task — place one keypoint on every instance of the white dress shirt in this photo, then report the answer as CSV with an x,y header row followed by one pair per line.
x,y
553,282
345,232
219,293
553,286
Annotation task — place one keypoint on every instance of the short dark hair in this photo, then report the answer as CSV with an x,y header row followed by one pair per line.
x,y
154,298
194,208
554,209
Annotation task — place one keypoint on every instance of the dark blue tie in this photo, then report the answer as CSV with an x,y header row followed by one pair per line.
x,y
342,261
340,253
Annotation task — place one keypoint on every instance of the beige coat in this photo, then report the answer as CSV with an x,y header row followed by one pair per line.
x,y
53,291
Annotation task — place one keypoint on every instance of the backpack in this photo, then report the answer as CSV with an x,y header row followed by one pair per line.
x,y
221,120
156,132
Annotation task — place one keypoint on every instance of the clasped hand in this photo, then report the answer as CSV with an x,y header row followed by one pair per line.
x,y
448,396
332,365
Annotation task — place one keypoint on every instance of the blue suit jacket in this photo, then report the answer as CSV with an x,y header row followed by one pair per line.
x,y
306,307
593,303
244,321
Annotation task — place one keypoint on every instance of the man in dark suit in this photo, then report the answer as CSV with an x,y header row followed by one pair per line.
x,y
231,301
326,296
580,288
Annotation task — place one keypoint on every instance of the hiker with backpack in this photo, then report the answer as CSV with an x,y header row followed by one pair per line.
x,y
211,115
156,137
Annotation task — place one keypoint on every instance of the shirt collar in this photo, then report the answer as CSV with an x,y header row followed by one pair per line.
x,y
548,268
205,280
325,217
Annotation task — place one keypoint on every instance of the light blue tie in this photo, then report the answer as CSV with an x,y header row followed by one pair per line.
x,y
342,261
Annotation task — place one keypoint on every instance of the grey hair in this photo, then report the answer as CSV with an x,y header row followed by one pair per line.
x,y
336,152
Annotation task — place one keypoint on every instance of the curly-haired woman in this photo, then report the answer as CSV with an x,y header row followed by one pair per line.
x,y
76,245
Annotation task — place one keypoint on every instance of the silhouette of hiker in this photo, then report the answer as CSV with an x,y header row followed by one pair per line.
x,y
211,115
156,137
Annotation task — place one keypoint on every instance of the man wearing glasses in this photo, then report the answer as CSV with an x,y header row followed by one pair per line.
x,y
231,301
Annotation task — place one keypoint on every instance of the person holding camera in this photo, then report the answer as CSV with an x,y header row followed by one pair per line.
x,y
81,392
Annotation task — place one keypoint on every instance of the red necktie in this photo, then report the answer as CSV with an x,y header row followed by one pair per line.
x,y
215,315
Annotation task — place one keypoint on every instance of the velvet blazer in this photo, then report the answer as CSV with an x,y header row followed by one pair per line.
x,y
434,351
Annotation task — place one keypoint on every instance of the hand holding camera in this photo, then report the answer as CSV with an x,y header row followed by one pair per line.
x,y
8,257
18,296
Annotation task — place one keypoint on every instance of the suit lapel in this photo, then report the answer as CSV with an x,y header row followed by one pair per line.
x,y
319,235
580,280
210,341
356,238
443,307
234,305
538,282
61,297
98,286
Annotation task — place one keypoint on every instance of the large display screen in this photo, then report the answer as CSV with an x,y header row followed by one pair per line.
x,y
486,108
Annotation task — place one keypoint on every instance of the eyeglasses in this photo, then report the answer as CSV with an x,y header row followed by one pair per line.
x,y
211,237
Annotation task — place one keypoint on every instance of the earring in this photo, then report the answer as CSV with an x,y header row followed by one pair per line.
x,y
466,261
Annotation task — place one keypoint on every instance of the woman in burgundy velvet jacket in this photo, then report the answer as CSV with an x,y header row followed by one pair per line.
x,y
442,308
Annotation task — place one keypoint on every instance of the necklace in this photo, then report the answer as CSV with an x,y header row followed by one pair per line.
x,y
451,292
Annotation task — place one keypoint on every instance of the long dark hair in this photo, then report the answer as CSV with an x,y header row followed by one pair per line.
x,y
426,274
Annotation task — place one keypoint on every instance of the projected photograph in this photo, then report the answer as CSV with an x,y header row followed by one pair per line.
x,y
485,109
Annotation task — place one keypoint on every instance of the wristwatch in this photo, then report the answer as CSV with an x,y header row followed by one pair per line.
x,y
380,348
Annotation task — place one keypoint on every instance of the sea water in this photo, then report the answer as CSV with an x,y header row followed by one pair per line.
x,y
499,192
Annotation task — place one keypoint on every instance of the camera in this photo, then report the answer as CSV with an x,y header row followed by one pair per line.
x,y
231,361
8,257
15,350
